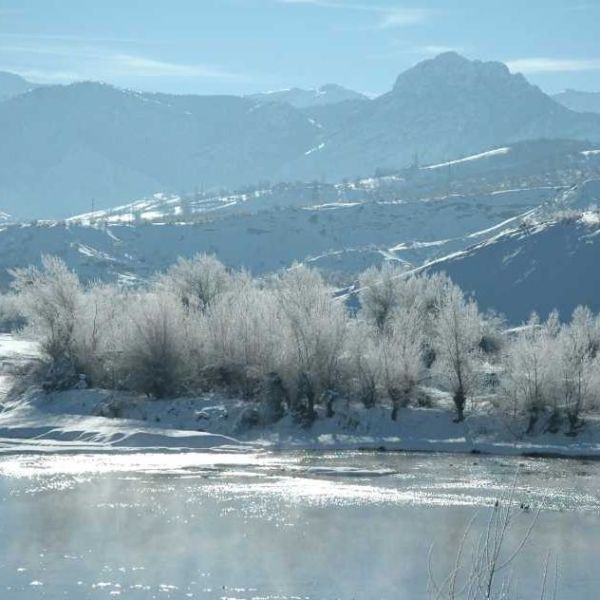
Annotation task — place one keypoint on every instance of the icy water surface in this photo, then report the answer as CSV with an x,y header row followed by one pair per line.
x,y
278,526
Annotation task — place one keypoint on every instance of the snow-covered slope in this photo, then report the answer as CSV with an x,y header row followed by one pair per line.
x,y
583,196
340,236
523,166
480,156
548,265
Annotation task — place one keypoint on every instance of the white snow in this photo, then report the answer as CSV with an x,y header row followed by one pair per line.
x,y
315,149
591,152
590,217
488,154
332,205
70,421
529,213
412,245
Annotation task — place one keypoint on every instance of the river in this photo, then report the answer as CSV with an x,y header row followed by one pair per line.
x,y
346,525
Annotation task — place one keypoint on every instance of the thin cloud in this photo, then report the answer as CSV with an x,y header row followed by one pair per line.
x,y
49,61
147,67
405,16
76,38
552,65
43,75
388,17
66,58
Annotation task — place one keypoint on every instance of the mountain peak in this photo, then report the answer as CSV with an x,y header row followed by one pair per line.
x,y
451,70
451,57
329,93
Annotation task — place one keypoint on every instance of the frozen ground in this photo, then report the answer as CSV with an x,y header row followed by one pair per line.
x,y
105,419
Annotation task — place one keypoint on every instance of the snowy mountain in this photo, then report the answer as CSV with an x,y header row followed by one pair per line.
x,y
66,148
440,109
579,101
300,98
13,85
538,268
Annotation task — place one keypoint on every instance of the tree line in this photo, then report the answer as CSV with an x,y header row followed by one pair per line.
x,y
289,344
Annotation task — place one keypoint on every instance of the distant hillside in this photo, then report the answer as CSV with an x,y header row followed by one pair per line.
x,y
537,268
325,95
340,234
579,101
66,148
13,85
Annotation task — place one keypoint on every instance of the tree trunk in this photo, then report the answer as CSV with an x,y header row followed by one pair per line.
x,y
459,402
533,417
329,398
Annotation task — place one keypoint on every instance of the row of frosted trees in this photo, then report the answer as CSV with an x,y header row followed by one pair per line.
x,y
288,343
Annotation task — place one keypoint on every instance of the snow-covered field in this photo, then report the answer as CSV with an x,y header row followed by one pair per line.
x,y
86,419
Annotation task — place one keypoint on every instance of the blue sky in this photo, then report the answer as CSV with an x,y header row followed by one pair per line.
x,y
242,46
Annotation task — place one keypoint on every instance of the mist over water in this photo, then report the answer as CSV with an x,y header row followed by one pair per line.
x,y
250,526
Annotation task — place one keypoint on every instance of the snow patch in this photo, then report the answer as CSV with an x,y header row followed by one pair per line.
x,y
489,154
315,149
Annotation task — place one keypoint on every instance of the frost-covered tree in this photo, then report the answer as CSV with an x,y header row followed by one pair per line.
x,y
154,344
527,369
287,342
243,334
426,294
457,338
365,365
574,366
50,299
11,314
380,294
98,333
402,357
197,282
492,335
313,329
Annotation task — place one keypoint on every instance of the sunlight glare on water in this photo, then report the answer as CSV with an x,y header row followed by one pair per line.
x,y
258,525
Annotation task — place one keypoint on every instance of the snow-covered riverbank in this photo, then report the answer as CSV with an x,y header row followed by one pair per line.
x,y
103,419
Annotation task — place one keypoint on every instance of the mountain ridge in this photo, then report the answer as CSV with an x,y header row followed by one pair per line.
x,y
12,85
70,146
579,101
330,93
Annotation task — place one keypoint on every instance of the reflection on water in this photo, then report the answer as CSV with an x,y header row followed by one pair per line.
x,y
271,526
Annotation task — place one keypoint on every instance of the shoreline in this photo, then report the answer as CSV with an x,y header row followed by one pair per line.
x,y
77,421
